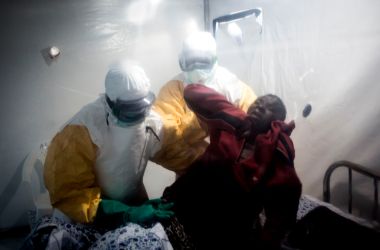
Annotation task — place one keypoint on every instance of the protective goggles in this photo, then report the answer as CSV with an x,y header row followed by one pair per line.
x,y
131,111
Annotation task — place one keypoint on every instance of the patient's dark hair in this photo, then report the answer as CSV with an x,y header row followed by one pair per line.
x,y
276,105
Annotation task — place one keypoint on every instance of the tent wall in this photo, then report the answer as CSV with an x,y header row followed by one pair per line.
x,y
318,52
38,95
327,54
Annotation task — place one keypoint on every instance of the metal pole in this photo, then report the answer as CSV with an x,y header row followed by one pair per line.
x,y
350,190
376,200
206,13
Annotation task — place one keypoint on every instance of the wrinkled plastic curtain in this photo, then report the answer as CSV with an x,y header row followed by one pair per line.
x,y
39,94
323,53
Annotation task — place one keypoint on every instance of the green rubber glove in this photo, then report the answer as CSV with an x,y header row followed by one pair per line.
x,y
150,211
159,204
112,213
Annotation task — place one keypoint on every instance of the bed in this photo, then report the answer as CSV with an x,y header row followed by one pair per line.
x,y
320,224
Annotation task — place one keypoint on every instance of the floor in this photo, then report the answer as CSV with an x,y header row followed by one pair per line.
x,y
12,239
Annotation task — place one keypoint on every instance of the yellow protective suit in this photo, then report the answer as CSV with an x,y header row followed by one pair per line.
x,y
183,136
92,158
69,173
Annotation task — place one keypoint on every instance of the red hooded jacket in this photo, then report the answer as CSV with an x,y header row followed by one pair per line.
x,y
267,176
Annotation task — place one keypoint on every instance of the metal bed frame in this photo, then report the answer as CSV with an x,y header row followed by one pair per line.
x,y
359,169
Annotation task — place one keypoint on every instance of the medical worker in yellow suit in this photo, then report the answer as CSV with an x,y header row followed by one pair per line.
x,y
183,137
95,164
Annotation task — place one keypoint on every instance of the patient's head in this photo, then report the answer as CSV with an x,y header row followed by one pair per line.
x,y
264,110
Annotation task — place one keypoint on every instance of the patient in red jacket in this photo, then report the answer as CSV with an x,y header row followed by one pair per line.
x,y
247,169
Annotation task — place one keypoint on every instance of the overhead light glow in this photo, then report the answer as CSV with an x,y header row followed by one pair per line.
x,y
141,11
155,2
235,31
191,26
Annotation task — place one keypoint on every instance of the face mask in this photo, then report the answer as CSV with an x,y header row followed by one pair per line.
x,y
199,76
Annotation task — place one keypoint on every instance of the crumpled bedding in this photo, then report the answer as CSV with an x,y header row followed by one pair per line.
x,y
321,225
54,233
308,203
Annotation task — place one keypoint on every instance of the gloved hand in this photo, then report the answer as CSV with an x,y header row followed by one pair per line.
x,y
150,211
159,203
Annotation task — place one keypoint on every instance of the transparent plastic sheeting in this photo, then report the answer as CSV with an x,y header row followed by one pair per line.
x,y
323,53
41,91
320,52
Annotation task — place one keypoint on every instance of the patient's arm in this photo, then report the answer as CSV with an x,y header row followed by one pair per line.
x,y
214,109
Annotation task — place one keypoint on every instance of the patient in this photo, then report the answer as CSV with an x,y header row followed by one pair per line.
x,y
247,168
